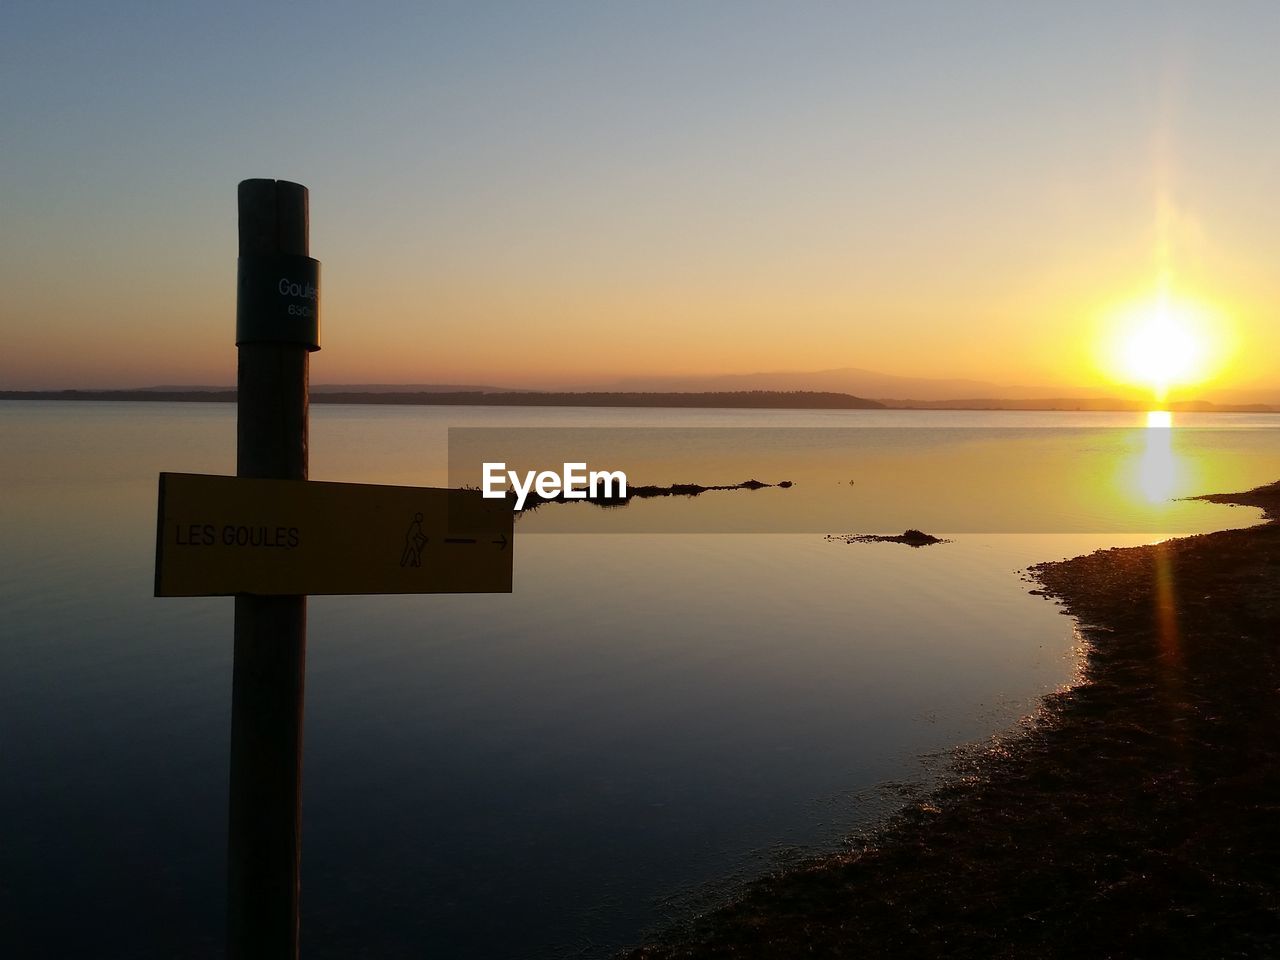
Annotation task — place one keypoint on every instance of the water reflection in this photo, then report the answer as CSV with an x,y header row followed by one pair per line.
x,y
1159,469
643,714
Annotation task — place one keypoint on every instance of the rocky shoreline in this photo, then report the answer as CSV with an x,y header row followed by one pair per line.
x,y
1137,815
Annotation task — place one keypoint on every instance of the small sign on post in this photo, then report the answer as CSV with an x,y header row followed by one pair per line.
x,y
278,300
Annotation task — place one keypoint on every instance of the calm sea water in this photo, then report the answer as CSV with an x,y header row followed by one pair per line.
x,y
646,720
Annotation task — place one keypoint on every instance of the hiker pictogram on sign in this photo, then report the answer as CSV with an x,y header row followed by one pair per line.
x,y
414,541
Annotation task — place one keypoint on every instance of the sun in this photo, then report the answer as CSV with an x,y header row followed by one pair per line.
x,y
1163,342
1160,349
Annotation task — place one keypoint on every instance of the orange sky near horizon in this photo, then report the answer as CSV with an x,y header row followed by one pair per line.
x,y
927,196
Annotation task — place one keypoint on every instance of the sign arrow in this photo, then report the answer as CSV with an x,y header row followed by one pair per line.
x,y
502,543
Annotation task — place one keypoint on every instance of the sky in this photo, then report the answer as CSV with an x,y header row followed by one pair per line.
x,y
562,193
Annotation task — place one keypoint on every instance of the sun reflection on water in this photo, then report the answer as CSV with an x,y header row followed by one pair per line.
x,y
1158,468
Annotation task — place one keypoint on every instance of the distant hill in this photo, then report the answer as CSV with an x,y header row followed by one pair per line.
x,y
920,392
850,380
759,399
1081,403
764,399
839,388
408,388
143,395
345,388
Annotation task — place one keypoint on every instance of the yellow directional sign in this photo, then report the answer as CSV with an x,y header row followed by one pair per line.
x,y
217,536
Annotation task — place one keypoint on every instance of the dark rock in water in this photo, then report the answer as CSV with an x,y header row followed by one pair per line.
x,y
533,501
685,489
915,538
912,538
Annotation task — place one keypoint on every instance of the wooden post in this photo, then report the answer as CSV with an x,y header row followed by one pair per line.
x,y
265,824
